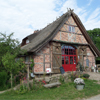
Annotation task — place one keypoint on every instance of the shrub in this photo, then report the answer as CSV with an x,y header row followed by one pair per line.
x,y
3,78
23,89
75,75
62,80
86,75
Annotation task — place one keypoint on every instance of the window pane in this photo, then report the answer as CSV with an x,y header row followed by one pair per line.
x,y
27,41
62,59
71,60
69,28
66,50
87,62
62,47
74,60
67,60
73,29
26,58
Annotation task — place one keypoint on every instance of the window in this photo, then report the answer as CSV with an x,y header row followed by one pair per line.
x,y
71,29
71,59
27,41
74,60
67,60
27,58
68,50
87,62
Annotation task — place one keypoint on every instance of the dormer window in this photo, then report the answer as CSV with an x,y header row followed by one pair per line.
x,y
27,41
72,29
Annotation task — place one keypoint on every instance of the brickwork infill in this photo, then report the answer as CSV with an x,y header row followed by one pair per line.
x,y
42,59
90,57
65,35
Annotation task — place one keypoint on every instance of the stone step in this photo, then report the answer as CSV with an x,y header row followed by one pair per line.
x,y
52,85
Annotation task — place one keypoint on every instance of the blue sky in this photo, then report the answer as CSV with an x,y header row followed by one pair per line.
x,y
24,16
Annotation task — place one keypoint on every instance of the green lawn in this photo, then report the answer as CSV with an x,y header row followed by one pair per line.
x,y
66,91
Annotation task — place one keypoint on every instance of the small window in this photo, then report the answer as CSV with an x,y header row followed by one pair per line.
x,y
27,58
27,41
71,29
87,62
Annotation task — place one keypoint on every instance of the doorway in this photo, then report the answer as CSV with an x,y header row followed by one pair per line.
x,y
68,58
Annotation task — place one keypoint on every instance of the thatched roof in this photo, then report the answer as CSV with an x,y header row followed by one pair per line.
x,y
42,37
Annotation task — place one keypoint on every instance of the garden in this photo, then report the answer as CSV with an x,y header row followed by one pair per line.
x,y
67,89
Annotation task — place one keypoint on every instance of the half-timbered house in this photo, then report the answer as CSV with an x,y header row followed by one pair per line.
x,y
64,42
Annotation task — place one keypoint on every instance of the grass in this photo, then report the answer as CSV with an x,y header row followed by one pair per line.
x,y
66,91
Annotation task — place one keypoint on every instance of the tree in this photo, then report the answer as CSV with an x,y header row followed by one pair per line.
x,y
10,49
7,44
12,65
95,36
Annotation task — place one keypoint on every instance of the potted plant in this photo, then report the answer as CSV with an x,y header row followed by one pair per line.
x,y
79,83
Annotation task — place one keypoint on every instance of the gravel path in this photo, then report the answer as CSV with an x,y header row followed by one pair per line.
x,y
97,97
94,76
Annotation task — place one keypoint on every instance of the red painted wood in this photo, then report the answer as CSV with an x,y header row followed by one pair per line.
x,y
69,58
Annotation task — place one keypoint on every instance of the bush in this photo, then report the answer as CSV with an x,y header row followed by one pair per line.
x,y
3,78
75,75
62,80
23,89
86,75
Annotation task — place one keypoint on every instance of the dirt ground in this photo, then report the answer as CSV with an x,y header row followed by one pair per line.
x,y
94,76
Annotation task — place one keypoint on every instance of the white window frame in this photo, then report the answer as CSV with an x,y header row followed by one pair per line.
x,y
72,29
27,41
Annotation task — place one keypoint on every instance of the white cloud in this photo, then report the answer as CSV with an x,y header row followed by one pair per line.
x,y
90,1
81,12
93,20
24,16
18,15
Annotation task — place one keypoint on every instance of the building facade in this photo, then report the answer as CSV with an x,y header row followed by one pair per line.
x,y
64,42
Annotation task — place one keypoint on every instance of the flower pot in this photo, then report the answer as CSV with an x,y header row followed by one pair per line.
x,y
79,87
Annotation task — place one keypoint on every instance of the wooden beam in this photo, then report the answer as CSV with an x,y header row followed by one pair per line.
x,y
70,25
72,43
71,32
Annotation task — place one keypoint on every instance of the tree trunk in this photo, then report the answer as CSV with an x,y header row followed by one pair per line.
x,y
11,80
28,76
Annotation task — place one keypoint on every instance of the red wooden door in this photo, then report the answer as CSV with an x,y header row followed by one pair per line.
x,y
69,58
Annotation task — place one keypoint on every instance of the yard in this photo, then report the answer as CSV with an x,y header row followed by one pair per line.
x,y
66,91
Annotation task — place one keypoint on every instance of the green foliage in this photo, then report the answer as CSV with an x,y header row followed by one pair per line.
x,y
23,89
86,75
7,44
62,80
32,64
8,53
95,36
3,78
10,64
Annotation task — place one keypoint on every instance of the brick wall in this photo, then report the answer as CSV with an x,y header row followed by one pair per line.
x,y
90,57
65,35
42,59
